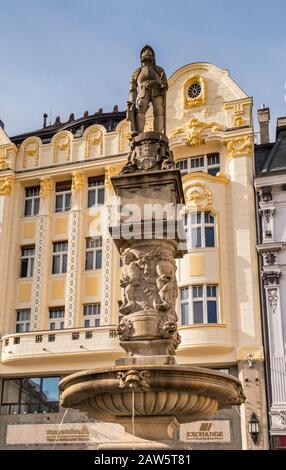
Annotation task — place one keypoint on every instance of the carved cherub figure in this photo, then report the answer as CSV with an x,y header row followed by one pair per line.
x,y
129,279
166,280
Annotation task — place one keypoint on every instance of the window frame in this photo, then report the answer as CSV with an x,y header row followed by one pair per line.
x,y
63,257
204,299
94,316
57,320
189,226
23,322
19,403
35,201
205,167
30,261
94,250
94,185
64,193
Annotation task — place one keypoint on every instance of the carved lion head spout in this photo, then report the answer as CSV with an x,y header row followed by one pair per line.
x,y
134,379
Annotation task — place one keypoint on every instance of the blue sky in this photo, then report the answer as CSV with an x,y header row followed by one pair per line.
x,y
72,56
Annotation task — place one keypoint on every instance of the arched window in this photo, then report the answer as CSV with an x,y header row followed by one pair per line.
x,y
200,229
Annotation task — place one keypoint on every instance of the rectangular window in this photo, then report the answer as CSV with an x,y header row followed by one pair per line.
x,y
95,191
91,315
56,318
209,163
93,254
23,318
200,229
60,257
27,261
63,196
183,166
30,395
32,201
213,163
199,304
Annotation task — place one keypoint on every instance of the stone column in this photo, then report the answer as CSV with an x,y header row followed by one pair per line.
x,y
75,249
42,262
148,330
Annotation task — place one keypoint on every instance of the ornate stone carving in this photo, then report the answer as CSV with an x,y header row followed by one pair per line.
x,y
3,163
272,298
240,146
198,197
31,149
77,181
166,280
149,151
238,121
193,130
124,329
46,186
134,379
6,185
270,258
148,280
265,193
188,101
267,222
239,109
62,143
111,170
169,330
124,136
94,138
271,278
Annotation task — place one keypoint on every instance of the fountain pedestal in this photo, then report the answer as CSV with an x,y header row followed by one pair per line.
x,y
146,384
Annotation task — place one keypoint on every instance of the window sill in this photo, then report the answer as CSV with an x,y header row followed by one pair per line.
x,y
203,325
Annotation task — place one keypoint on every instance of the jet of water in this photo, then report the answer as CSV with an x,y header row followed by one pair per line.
x,y
59,428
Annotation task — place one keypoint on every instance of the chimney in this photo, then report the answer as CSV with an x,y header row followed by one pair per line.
x,y
263,119
45,116
1,124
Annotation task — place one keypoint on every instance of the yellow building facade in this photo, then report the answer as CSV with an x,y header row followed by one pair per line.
x,y
59,286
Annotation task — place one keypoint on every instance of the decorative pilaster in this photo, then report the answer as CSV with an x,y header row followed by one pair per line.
x,y
267,223
9,197
275,327
108,250
42,257
72,294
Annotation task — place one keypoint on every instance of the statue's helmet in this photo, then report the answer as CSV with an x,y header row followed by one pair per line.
x,y
147,53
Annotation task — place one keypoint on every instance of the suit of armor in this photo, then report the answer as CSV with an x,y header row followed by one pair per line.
x,y
148,85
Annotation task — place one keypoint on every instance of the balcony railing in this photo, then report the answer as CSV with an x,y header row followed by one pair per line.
x,y
199,339
34,344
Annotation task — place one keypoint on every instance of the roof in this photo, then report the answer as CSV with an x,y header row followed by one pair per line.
x,y
270,158
75,126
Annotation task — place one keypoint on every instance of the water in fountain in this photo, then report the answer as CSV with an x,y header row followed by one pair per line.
x,y
60,426
133,418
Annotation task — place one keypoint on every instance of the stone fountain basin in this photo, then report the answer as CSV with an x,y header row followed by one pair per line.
x,y
184,392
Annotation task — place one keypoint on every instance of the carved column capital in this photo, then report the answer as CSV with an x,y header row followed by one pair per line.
x,y
46,187
6,185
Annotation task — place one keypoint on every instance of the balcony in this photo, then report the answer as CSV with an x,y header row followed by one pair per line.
x,y
205,339
53,343
202,339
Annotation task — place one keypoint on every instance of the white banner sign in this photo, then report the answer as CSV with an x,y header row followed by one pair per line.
x,y
69,433
206,431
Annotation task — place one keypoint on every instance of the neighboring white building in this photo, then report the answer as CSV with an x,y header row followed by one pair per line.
x,y
270,186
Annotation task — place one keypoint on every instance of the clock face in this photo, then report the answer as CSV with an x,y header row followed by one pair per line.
x,y
194,90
